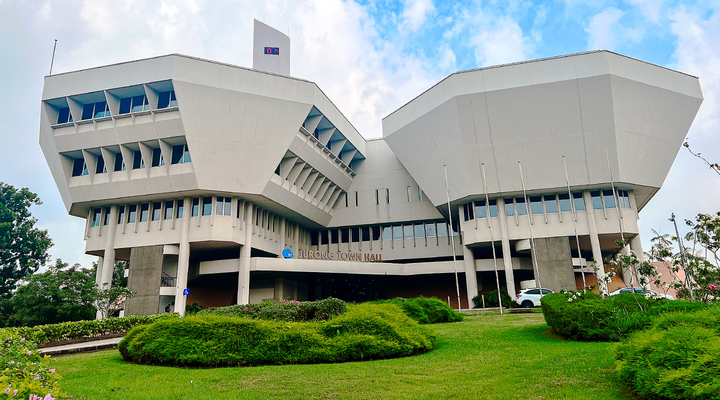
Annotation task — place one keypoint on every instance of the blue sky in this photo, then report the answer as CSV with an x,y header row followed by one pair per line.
x,y
370,57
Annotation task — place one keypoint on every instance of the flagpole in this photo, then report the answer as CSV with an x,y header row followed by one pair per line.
x,y
492,237
532,238
52,60
633,272
452,238
577,238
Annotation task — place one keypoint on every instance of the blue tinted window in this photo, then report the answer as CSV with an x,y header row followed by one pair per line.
x,y
578,201
536,205
521,206
87,112
609,198
551,206
596,200
480,209
565,203
64,115
125,105
493,208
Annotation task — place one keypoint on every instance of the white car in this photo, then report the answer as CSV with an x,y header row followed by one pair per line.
x,y
531,297
648,292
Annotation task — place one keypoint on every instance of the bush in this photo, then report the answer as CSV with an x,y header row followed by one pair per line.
x,y
425,310
365,332
79,329
292,311
678,358
588,317
491,299
193,308
24,372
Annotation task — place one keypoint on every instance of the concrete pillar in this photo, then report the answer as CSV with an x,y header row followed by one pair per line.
x,y
505,240
594,239
470,274
98,279
636,246
282,234
296,237
183,259
98,272
108,259
243,295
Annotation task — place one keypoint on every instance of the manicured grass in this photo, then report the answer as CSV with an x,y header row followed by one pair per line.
x,y
488,356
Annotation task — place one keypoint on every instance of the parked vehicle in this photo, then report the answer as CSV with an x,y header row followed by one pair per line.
x,y
645,292
531,297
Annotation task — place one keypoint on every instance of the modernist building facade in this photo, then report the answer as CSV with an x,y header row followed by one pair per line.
x,y
228,185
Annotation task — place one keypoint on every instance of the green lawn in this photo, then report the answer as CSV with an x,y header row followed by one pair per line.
x,y
488,356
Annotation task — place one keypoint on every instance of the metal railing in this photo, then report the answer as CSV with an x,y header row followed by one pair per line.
x,y
167,280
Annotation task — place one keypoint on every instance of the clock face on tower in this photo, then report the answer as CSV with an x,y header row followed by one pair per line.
x,y
275,51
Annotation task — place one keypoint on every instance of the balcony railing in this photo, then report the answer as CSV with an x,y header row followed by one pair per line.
x,y
167,280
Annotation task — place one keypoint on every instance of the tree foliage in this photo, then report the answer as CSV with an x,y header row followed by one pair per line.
x,y
62,293
23,248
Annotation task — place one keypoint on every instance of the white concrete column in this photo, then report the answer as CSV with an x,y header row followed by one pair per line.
x,y
636,246
183,258
281,242
243,295
98,272
296,237
470,275
108,258
507,255
594,239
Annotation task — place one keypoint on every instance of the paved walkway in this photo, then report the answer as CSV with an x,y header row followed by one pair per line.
x,y
84,347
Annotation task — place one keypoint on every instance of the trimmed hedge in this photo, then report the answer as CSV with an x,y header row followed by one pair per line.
x,y
677,358
365,332
588,317
273,310
41,334
425,310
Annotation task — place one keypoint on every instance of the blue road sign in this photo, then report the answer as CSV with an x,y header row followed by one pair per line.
x,y
186,292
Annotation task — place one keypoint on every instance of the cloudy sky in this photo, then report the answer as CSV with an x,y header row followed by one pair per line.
x,y
369,57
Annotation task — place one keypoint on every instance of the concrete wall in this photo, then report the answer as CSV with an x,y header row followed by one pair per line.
x,y
554,263
144,279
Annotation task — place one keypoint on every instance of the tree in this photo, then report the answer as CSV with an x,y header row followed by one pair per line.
x,y
23,248
60,294
108,300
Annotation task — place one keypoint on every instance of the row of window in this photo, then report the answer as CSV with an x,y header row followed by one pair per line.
x,y
546,204
378,196
180,155
128,105
416,230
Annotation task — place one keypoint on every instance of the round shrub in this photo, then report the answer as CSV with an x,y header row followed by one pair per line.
x,y
678,358
364,332
589,317
425,310
491,299
292,310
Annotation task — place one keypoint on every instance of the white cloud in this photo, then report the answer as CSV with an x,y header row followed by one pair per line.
x,y
649,8
414,14
501,41
605,31
691,187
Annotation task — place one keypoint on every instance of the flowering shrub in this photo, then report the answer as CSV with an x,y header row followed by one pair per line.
x,y
25,373
291,310
81,329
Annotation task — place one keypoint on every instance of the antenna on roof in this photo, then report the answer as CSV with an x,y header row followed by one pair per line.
x,y
52,60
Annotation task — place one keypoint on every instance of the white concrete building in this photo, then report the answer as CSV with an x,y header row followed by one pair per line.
x,y
202,174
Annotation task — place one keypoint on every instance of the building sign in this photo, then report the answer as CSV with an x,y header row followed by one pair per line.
x,y
287,253
340,256
275,51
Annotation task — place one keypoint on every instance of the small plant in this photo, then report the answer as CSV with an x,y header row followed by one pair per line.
x,y
491,299
193,308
